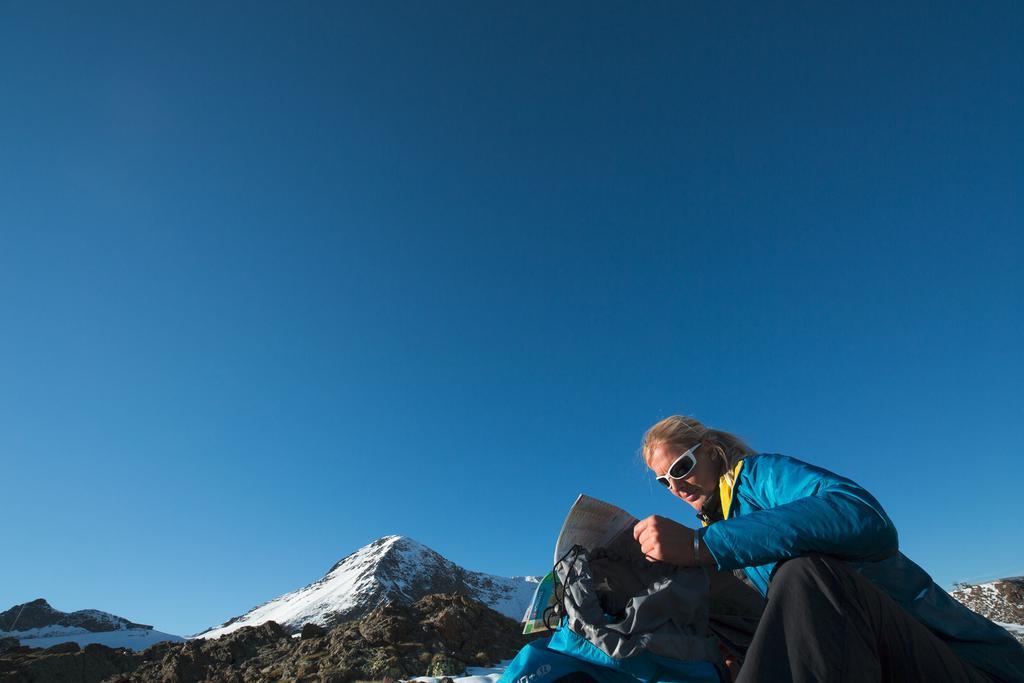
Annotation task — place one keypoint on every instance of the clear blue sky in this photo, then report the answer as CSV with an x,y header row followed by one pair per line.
x,y
278,280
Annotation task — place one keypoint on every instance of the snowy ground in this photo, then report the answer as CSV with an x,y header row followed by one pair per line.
x,y
473,675
1015,629
132,638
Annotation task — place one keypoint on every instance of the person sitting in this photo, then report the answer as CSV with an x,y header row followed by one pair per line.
x,y
842,602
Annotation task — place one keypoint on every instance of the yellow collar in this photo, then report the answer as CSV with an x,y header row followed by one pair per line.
x,y
726,485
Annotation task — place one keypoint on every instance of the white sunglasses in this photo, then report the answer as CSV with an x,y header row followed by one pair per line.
x,y
681,467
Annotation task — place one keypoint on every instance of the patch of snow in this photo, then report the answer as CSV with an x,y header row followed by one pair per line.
x,y
1015,629
131,638
474,674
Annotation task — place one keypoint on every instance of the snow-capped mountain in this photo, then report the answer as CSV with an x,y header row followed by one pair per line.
x,y
1001,600
391,569
37,624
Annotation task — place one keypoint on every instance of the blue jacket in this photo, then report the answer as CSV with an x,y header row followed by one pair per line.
x,y
775,507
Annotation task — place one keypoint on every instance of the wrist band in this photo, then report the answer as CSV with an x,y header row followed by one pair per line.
x,y
696,549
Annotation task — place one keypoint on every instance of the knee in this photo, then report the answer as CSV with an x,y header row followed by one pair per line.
x,y
800,573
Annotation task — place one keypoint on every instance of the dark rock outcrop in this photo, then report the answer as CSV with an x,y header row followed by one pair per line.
x,y
439,634
313,631
61,648
61,664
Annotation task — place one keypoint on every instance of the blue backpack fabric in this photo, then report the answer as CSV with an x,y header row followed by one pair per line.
x,y
536,663
566,652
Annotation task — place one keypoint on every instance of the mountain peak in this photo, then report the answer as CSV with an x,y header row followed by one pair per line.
x,y
391,569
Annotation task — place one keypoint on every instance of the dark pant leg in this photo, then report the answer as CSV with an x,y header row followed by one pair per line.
x,y
826,622
576,677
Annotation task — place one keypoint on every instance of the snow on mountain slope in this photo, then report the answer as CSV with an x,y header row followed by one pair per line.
x,y
37,624
391,569
1001,600
131,638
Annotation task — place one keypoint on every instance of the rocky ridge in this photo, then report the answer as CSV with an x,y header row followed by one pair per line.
x,y
39,614
436,635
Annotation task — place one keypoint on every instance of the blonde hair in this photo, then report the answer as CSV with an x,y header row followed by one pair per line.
x,y
684,432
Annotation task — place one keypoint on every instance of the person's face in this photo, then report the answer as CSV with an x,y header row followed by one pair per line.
x,y
699,485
